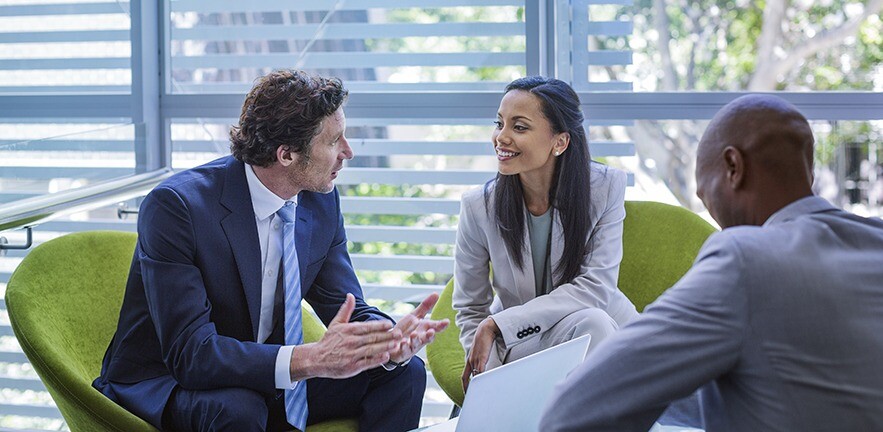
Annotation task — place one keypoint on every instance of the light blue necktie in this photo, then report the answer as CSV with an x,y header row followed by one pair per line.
x,y
296,398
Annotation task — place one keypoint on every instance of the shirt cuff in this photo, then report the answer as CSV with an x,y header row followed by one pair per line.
x,y
283,368
391,365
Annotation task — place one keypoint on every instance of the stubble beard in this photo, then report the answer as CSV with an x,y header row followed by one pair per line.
x,y
302,176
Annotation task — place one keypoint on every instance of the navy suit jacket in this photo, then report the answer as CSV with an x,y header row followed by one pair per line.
x,y
192,303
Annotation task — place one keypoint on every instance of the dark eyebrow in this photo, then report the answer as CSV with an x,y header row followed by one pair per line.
x,y
516,118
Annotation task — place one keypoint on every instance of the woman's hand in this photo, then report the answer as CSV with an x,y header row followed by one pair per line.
x,y
482,344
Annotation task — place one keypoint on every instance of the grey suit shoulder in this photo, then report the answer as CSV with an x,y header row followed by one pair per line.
x,y
779,325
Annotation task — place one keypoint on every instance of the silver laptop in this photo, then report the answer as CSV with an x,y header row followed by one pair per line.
x,y
512,397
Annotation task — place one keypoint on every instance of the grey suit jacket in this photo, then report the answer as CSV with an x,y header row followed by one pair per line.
x,y
516,307
784,323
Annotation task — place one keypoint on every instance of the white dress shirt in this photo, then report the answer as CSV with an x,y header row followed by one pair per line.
x,y
266,204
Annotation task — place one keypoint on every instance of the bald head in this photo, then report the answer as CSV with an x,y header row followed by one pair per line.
x,y
755,157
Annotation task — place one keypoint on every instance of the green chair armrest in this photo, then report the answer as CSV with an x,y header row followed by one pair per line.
x,y
445,356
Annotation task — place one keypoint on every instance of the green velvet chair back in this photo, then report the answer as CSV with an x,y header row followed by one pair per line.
x,y
64,302
445,357
660,242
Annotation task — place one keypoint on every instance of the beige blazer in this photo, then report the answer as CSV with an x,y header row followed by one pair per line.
x,y
516,306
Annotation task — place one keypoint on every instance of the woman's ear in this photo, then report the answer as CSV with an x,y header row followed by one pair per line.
x,y
562,141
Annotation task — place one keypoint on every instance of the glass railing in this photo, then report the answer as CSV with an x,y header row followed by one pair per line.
x,y
73,181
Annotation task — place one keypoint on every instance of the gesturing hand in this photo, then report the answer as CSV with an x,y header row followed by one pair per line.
x,y
481,349
347,348
417,331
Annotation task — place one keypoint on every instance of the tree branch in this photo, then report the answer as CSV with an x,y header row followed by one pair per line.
x,y
826,39
699,42
663,32
690,76
770,35
764,78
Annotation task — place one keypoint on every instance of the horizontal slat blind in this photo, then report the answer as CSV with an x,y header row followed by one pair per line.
x,y
220,46
40,9
400,195
207,6
585,31
335,60
65,48
348,31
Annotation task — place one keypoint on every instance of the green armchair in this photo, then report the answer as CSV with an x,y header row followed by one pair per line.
x,y
660,242
64,301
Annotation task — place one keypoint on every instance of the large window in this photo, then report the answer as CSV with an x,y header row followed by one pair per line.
x,y
95,89
740,45
686,46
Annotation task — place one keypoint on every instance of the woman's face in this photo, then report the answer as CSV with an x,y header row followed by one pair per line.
x,y
523,139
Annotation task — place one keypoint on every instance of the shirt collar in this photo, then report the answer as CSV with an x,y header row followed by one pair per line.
x,y
805,205
265,202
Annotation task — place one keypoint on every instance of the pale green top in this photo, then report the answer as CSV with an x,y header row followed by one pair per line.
x,y
540,230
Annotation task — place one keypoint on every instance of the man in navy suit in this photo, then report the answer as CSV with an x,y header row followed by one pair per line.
x,y
200,342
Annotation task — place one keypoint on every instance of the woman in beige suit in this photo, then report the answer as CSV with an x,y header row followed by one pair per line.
x,y
550,226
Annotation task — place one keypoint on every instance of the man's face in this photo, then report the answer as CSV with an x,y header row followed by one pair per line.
x,y
328,150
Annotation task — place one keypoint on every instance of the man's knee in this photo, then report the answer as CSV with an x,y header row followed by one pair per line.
x,y
228,409
247,412
411,382
415,375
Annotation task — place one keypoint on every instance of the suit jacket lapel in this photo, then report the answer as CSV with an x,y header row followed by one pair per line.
x,y
557,245
524,280
242,233
302,238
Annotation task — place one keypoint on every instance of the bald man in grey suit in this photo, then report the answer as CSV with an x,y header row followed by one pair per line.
x,y
780,320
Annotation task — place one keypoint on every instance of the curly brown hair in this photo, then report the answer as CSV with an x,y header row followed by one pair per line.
x,y
285,107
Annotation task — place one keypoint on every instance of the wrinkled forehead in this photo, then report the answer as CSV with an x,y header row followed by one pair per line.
x,y
332,125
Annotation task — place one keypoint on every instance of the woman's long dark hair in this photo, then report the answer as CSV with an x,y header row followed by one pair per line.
x,y
570,191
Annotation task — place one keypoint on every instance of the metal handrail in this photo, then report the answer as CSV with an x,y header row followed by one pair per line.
x,y
29,212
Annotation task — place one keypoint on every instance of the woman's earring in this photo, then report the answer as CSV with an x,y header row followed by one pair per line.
x,y
557,152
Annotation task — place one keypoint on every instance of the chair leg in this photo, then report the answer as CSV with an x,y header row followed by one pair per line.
x,y
455,412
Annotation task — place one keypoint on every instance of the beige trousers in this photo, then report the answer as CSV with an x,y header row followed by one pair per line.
x,y
591,321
